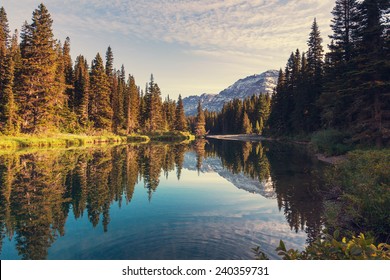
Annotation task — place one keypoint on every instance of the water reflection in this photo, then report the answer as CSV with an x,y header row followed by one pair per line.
x,y
288,171
40,190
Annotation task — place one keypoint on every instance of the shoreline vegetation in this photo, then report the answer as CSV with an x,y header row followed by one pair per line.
x,y
74,140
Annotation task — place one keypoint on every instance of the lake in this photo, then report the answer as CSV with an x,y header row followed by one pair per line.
x,y
210,200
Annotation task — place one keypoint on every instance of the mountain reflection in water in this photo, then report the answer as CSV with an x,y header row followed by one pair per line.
x,y
158,201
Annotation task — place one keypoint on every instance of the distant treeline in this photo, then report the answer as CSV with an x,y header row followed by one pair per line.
x,y
41,91
240,116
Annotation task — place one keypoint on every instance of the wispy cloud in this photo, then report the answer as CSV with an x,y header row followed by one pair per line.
x,y
244,37
208,25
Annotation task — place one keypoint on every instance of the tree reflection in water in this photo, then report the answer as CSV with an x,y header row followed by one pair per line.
x,y
295,176
40,189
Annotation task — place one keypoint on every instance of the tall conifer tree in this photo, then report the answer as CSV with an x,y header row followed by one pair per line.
x,y
370,79
109,62
344,24
40,95
180,118
81,89
315,56
4,30
246,124
200,125
4,66
69,74
8,117
133,106
100,112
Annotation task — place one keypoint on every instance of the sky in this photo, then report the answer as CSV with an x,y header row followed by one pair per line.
x,y
190,46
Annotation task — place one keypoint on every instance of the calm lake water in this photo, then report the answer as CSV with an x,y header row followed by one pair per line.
x,y
205,200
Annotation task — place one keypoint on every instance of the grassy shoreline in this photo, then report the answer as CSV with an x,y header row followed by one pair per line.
x,y
74,140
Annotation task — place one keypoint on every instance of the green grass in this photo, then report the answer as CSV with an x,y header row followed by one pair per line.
x,y
73,140
60,140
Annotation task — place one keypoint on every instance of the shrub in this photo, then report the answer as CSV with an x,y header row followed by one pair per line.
x,y
331,142
330,247
364,185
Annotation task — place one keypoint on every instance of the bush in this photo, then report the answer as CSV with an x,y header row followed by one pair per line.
x,y
363,183
330,247
331,142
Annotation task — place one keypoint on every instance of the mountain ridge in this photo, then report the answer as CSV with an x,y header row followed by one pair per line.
x,y
263,83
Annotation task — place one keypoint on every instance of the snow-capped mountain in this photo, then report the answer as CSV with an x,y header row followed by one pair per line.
x,y
256,84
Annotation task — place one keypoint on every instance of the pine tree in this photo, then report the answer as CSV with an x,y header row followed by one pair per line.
x,y
291,90
81,90
315,54
200,126
264,108
338,64
8,117
115,102
258,129
276,120
40,96
147,104
69,74
302,100
121,96
4,30
246,124
109,62
16,54
152,114
180,118
100,112
344,24
132,99
156,120
6,82
369,80
64,118
142,109
315,57
169,114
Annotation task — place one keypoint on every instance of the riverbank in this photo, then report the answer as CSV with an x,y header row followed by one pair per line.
x,y
74,140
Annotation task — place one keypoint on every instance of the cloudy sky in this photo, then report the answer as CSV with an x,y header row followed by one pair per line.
x,y
191,46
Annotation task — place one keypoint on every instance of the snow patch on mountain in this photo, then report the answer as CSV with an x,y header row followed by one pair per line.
x,y
253,85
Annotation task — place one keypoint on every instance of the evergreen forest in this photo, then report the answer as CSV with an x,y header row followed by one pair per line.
x,y
42,91
345,92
